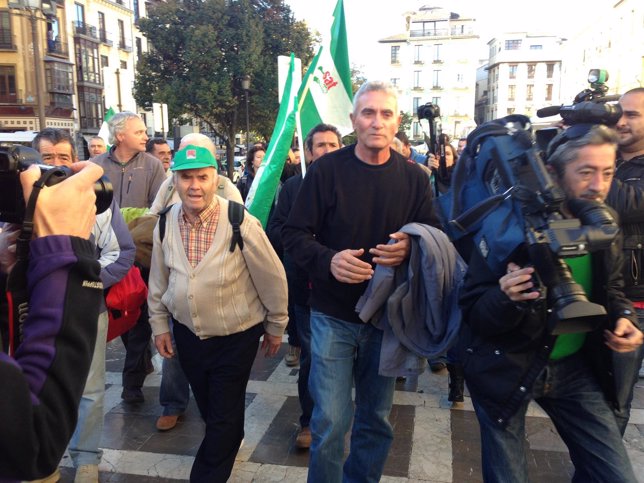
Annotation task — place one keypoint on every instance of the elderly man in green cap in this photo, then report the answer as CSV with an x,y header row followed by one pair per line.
x,y
222,298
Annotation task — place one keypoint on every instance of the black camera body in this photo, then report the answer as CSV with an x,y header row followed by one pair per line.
x,y
13,160
428,111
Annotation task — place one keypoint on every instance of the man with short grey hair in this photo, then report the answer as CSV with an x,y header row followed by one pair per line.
x,y
136,177
96,146
346,211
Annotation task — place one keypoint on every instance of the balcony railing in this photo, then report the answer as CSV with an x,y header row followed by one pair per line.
x,y
9,99
454,31
125,45
104,37
56,47
81,28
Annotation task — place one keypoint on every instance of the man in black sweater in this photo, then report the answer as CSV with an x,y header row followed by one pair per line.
x,y
352,202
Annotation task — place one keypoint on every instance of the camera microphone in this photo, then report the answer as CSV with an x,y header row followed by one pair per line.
x,y
548,111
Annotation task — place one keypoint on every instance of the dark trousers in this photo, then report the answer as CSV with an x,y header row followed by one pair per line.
x,y
218,370
138,356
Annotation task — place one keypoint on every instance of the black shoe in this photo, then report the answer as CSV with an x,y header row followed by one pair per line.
x,y
456,383
132,395
436,366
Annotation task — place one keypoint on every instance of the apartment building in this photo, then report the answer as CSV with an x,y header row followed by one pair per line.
x,y
65,62
524,74
434,60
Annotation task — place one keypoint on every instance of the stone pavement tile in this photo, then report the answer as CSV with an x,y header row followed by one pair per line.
x,y
543,466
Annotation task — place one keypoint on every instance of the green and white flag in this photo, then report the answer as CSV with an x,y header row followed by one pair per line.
x,y
104,132
325,95
262,191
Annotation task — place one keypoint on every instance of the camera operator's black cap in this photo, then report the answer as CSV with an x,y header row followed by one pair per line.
x,y
575,131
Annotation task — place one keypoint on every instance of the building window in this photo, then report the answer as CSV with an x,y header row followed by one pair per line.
x,y
418,54
80,13
7,83
548,92
437,52
124,65
417,131
135,7
536,47
59,78
550,70
511,110
90,107
139,49
512,92
415,103
105,61
6,39
436,101
513,44
436,78
513,71
87,62
529,92
394,81
102,33
121,34
417,79
395,54
459,78
531,69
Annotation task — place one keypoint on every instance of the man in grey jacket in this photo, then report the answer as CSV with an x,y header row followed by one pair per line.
x,y
136,177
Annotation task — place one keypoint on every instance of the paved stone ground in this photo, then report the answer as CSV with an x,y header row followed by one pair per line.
x,y
433,443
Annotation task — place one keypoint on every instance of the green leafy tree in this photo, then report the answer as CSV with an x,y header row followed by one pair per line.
x,y
201,49
405,121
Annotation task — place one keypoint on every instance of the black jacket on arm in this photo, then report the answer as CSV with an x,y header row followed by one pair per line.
x,y
626,197
505,345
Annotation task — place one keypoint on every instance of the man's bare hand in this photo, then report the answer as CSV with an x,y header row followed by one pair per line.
x,y
271,344
516,281
393,254
346,267
625,338
432,161
163,342
68,208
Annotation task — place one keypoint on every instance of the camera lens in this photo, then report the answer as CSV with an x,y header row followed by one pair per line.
x,y
104,193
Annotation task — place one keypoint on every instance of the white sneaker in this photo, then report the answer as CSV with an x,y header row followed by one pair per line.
x,y
293,357
86,474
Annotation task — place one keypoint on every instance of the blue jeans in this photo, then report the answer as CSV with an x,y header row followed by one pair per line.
x,y
568,391
626,366
343,353
303,322
83,447
174,393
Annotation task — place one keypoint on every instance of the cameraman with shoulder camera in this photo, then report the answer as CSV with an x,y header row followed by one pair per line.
x,y
43,382
510,357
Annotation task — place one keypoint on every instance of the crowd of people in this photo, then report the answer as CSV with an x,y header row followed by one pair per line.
x,y
339,239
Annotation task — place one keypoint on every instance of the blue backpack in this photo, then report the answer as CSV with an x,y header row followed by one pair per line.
x,y
480,210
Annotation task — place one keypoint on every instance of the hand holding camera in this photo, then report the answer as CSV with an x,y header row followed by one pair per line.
x,y
66,208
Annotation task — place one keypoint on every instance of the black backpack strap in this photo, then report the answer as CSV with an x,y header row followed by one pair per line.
x,y
162,220
236,217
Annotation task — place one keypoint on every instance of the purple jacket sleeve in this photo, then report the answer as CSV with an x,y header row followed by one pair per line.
x,y
43,384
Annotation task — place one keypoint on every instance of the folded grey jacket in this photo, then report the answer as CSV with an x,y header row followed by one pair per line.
x,y
416,303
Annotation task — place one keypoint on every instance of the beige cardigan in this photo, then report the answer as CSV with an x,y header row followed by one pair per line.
x,y
226,292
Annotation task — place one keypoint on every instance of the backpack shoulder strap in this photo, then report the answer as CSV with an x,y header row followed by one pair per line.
x,y
236,217
162,220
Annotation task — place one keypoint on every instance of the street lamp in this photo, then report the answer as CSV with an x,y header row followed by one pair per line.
x,y
245,83
47,8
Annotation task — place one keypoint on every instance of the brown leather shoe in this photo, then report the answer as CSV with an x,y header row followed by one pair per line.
x,y
303,440
166,423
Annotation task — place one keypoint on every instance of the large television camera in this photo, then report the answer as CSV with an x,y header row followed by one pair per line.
x,y
13,160
504,203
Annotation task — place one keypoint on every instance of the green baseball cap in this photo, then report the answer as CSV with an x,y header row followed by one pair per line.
x,y
193,157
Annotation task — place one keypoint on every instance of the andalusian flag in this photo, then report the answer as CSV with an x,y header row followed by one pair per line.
x,y
262,191
325,95
104,132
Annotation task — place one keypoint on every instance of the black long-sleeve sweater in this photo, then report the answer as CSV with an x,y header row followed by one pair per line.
x,y
345,203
